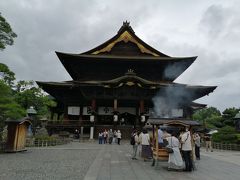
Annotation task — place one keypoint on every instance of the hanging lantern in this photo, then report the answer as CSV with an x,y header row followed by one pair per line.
x,y
92,118
142,119
122,120
115,118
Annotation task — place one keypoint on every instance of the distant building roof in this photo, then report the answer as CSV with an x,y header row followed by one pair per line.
x,y
19,121
169,121
237,116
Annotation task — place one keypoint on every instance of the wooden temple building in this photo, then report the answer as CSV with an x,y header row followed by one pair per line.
x,y
115,83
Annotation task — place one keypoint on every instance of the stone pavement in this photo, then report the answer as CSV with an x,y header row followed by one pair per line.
x,y
114,163
90,161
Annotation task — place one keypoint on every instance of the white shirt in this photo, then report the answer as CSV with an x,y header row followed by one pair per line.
x,y
119,135
145,139
173,142
186,141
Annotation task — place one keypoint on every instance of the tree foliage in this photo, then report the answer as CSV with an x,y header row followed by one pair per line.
x,y
27,94
9,108
228,116
16,98
209,117
6,75
6,33
226,134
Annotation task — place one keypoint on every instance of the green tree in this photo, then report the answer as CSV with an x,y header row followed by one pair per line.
x,y
228,115
210,117
27,94
8,107
6,75
6,33
226,134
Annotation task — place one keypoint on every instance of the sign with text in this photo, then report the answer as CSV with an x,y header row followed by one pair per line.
x,y
105,110
87,110
73,110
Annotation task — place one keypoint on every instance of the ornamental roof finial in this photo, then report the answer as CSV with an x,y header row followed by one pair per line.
x,y
126,26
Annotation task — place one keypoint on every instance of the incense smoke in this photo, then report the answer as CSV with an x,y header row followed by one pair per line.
x,y
174,96
174,70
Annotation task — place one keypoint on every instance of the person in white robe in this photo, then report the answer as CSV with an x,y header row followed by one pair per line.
x,y
175,161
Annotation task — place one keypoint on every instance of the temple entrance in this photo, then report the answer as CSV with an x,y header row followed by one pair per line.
x,y
127,119
123,119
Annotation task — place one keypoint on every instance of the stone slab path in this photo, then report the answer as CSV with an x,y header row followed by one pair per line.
x,y
90,161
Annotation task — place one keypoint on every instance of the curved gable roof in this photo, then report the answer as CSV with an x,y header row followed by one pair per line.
x,y
128,38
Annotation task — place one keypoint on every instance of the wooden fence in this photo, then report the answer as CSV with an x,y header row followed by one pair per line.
x,y
45,143
225,146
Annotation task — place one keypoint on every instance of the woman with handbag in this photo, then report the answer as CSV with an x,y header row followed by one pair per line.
x,y
175,161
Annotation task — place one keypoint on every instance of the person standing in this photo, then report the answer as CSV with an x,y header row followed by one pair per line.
x,y
100,137
145,142
175,161
197,142
110,135
134,143
105,134
119,136
160,138
115,136
208,142
186,150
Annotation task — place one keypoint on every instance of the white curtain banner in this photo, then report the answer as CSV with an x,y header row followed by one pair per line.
x,y
73,110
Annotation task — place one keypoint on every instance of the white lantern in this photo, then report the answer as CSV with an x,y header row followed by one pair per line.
x,y
115,118
142,119
92,118
122,120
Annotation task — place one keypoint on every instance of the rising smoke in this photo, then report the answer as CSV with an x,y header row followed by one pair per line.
x,y
171,97
174,70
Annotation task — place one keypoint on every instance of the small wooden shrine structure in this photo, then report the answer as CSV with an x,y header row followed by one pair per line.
x,y
180,124
17,131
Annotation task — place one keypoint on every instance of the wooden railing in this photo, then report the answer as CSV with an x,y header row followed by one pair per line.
x,y
226,146
45,143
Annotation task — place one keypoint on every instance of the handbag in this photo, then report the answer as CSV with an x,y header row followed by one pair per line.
x,y
169,149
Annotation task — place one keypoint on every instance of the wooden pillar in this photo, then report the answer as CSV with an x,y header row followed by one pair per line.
x,y
52,115
141,104
141,112
58,116
156,141
65,116
80,116
93,105
115,105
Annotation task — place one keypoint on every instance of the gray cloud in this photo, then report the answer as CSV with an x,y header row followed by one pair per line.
x,y
209,30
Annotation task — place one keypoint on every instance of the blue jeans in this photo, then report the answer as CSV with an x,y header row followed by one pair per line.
x,y
100,140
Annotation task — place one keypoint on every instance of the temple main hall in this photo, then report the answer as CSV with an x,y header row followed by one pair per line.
x,y
118,85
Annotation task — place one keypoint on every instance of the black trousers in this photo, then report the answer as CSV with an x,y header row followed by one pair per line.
x,y
110,140
119,139
188,160
197,152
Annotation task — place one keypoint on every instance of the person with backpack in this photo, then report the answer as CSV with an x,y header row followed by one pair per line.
x,y
134,142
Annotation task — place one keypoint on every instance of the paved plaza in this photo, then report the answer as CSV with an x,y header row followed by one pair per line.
x,y
90,161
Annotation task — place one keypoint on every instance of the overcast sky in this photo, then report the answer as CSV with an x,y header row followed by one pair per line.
x,y
209,29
